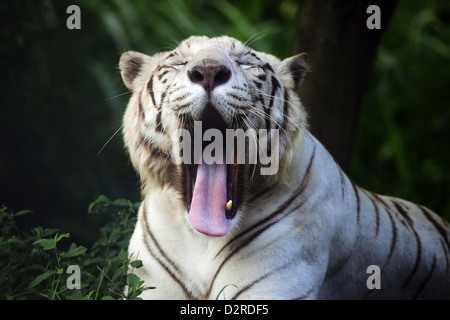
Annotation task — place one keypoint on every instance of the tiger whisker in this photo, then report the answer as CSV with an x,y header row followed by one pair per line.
x,y
272,97
280,100
170,46
118,95
265,116
251,41
109,140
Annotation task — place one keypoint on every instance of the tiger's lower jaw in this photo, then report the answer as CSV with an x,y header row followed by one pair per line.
x,y
211,196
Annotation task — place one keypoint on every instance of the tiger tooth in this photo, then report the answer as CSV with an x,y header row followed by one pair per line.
x,y
228,205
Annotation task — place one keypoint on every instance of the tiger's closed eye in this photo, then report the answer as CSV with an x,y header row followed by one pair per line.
x,y
178,66
246,65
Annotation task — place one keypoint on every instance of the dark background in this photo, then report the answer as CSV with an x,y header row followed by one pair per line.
x,y
62,97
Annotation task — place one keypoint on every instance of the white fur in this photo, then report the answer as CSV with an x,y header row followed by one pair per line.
x,y
319,246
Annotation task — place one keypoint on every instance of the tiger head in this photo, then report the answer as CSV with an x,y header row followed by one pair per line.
x,y
197,96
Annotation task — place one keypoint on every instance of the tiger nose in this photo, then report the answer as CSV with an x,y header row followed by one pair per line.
x,y
209,77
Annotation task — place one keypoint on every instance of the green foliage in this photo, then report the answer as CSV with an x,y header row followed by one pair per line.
x,y
402,140
34,264
153,26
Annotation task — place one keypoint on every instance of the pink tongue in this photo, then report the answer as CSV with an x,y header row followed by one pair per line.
x,y
207,213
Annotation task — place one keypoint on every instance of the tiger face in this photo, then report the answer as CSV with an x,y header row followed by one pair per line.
x,y
211,85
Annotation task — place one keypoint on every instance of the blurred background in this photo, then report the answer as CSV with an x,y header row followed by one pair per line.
x,y
62,98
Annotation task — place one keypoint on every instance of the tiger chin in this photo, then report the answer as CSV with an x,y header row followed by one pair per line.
x,y
228,229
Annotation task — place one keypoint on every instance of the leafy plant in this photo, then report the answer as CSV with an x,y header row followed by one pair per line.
x,y
35,264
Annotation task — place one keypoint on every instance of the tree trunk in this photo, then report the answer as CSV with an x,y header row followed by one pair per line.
x,y
341,52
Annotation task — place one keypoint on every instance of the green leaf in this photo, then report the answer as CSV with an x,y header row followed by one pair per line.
x,y
22,212
116,275
90,207
13,241
100,200
75,252
46,244
47,231
123,255
103,198
121,202
64,235
136,205
107,298
134,282
41,278
136,263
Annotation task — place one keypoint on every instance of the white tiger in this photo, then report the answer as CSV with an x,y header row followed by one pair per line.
x,y
306,232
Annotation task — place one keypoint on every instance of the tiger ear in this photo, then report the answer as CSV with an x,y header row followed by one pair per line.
x,y
130,65
297,67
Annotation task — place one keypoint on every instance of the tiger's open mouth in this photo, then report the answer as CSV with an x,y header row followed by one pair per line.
x,y
211,190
